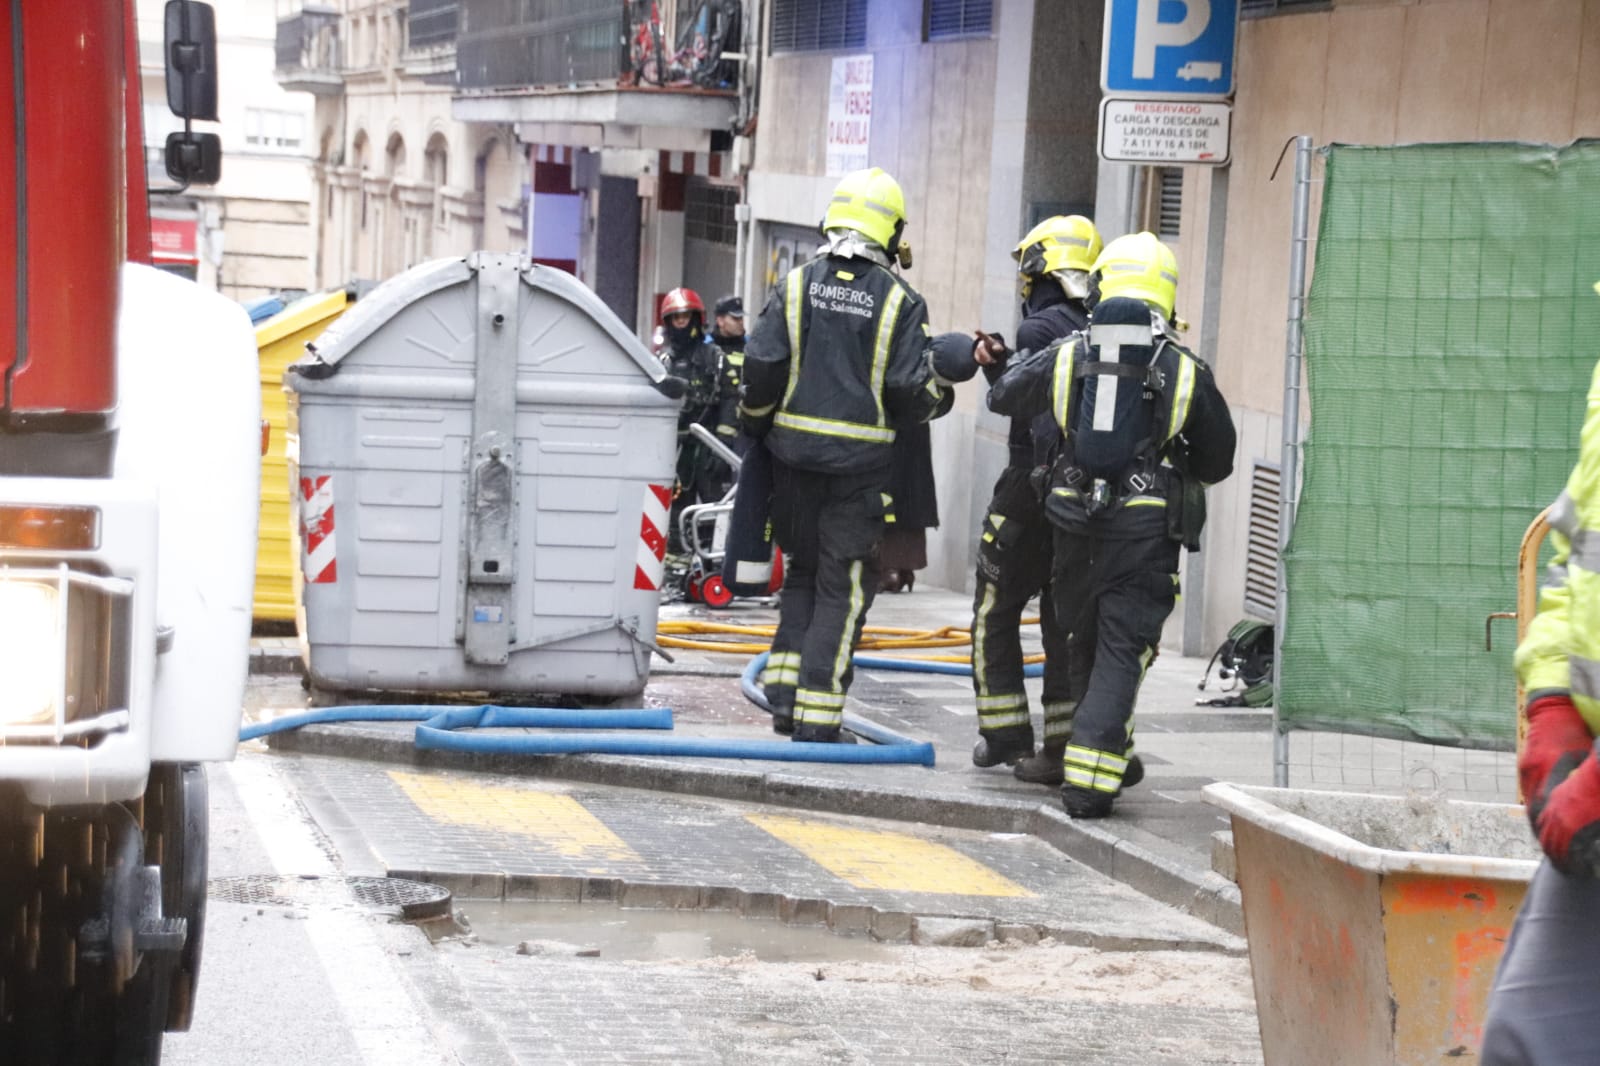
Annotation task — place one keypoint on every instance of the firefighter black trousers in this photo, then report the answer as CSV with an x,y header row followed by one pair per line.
x,y
1014,565
829,527
1112,597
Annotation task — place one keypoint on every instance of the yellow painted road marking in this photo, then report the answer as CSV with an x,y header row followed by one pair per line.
x,y
895,862
558,822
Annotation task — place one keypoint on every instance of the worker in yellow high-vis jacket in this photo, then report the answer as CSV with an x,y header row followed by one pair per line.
x,y
1544,1009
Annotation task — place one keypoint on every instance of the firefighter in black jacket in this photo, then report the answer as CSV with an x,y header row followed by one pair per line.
x,y
728,336
838,359
1143,431
1014,546
689,354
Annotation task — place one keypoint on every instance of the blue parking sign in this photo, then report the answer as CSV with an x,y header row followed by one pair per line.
x,y
1169,48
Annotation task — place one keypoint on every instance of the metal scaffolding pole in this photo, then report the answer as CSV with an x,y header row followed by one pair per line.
x,y
1294,357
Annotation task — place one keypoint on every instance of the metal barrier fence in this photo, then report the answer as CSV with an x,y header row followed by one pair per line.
x,y
1450,333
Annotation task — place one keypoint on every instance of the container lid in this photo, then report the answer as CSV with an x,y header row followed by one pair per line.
x,y
373,311
306,311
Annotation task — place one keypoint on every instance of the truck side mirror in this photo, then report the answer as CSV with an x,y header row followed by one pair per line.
x,y
194,158
191,52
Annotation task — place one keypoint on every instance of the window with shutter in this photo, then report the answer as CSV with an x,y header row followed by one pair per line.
x,y
818,25
1261,552
950,19
1169,207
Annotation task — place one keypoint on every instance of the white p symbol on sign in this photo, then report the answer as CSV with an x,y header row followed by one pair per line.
x,y
1150,33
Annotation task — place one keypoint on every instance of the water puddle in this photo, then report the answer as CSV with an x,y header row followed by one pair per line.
x,y
574,928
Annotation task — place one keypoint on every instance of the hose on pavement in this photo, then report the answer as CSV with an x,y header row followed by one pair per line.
x,y
439,730
754,639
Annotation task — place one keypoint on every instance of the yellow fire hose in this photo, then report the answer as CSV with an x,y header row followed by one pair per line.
x,y
755,639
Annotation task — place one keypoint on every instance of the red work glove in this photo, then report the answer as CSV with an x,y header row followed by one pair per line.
x,y
1555,729
1567,816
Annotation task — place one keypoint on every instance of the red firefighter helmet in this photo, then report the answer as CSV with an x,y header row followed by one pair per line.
x,y
680,300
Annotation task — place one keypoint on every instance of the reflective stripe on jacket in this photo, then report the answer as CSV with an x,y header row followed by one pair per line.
x,y
1042,383
1562,648
838,357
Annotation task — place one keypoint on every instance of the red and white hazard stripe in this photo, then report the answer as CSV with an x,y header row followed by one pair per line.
x,y
652,538
701,164
553,153
319,559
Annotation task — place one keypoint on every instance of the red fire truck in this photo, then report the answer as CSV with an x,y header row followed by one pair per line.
x,y
129,444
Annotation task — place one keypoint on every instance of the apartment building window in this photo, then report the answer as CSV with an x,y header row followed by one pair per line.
x,y
274,131
946,20
1261,8
708,212
818,25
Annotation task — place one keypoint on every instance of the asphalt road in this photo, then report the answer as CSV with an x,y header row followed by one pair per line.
x,y
327,985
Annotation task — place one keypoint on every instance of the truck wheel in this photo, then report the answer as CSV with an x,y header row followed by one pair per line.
x,y
176,823
74,897
56,1008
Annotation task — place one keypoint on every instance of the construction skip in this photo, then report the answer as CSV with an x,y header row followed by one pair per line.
x,y
1375,922
484,459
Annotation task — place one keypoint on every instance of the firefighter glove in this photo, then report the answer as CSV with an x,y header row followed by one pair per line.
x,y
950,358
1566,814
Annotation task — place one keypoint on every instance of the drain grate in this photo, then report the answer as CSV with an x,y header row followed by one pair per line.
x,y
413,900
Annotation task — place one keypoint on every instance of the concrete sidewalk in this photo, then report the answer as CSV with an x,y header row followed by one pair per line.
x,y
1160,839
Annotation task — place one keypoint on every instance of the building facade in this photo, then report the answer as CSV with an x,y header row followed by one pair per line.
x,y
396,180
639,159
443,127
1375,72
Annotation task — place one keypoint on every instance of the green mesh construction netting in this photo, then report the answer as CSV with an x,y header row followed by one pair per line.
x,y
1451,331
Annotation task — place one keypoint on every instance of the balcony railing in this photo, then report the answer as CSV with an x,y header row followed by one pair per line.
x,y
308,50
501,45
431,23
574,41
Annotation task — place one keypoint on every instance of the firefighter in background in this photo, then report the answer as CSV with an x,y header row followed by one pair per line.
x,y
728,322
838,359
690,354
1542,1007
728,336
1143,431
1054,262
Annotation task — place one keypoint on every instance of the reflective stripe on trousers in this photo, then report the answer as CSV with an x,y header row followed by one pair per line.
x,y
1099,770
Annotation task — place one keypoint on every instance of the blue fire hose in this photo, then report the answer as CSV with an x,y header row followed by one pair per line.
x,y
438,731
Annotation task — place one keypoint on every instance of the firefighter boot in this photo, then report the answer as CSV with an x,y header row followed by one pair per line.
x,y
815,734
1009,745
1043,767
783,719
778,683
1086,802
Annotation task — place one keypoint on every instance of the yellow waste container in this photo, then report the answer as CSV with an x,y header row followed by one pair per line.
x,y
281,340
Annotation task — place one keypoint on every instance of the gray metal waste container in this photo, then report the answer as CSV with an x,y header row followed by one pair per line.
x,y
484,457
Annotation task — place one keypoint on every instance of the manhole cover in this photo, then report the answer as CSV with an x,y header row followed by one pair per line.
x,y
414,900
